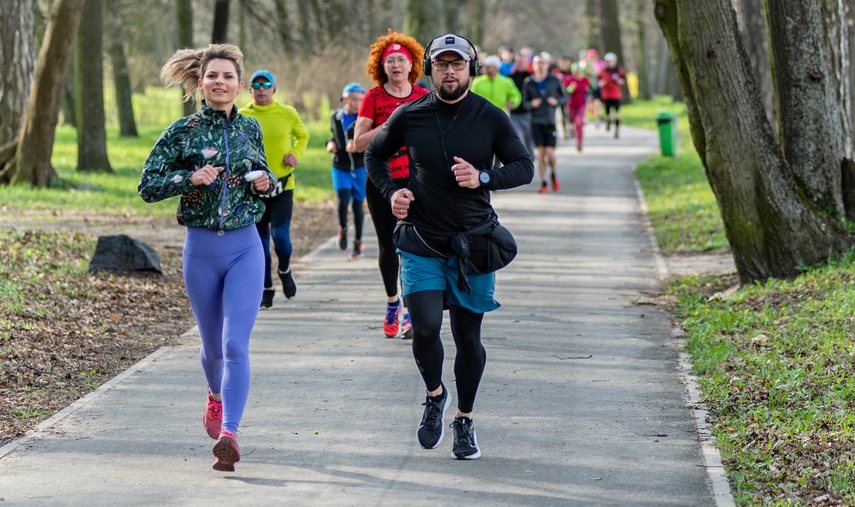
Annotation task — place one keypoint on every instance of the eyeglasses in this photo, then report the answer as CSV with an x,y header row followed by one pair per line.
x,y
258,84
401,60
441,65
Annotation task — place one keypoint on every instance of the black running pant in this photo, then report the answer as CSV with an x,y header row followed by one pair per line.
x,y
426,309
344,199
276,222
384,226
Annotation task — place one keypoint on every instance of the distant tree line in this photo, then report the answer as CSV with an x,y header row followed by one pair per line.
x,y
59,52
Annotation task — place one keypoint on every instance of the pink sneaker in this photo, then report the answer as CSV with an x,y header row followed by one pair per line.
x,y
391,324
226,451
212,419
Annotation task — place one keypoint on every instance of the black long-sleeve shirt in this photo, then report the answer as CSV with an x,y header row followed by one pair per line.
x,y
434,132
343,159
544,114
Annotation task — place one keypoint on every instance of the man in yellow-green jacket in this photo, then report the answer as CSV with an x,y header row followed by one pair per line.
x,y
498,89
285,140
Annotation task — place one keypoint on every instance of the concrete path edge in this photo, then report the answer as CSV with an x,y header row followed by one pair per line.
x,y
43,427
712,457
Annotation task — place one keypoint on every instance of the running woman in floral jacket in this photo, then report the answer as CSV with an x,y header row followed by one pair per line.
x,y
214,161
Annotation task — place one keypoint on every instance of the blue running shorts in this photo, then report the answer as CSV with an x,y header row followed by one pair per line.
x,y
353,180
436,273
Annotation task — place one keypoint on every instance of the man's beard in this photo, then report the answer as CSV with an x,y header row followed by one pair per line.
x,y
451,96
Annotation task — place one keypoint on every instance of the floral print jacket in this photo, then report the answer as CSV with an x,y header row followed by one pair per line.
x,y
208,137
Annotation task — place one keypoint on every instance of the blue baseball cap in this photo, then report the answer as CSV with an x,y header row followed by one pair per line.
x,y
352,87
262,73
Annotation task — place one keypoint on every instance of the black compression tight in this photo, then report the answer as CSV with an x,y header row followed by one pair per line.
x,y
344,199
384,226
426,314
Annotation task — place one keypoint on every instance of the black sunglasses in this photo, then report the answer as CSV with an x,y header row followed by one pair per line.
x,y
258,84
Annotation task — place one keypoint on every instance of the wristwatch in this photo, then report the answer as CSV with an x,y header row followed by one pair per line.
x,y
484,178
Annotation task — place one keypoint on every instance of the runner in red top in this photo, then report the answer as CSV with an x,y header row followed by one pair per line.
x,y
377,106
611,78
577,83
395,63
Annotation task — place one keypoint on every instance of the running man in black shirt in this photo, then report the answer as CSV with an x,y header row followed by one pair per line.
x,y
451,137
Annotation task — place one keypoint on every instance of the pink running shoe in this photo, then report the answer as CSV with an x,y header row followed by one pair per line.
x,y
212,419
226,451
391,324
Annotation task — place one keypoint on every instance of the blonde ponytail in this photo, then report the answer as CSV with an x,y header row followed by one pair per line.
x,y
187,66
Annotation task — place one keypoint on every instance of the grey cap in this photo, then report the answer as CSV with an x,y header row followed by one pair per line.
x,y
450,42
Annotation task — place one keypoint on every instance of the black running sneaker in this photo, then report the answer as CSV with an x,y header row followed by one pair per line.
x,y
267,297
358,249
432,426
289,286
465,443
341,237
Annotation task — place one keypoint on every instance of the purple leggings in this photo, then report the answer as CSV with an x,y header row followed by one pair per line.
x,y
224,278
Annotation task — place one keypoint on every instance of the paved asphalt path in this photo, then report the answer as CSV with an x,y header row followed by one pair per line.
x,y
581,402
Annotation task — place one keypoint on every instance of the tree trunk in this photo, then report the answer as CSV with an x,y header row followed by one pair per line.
x,y
643,58
32,156
417,21
220,32
89,85
837,42
18,54
184,18
241,26
122,84
284,27
592,24
808,108
672,84
849,6
373,20
454,13
475,20
771,229
304,14
610,35
610,29
848,166
752,29
69,112
665,80
320,22
662,63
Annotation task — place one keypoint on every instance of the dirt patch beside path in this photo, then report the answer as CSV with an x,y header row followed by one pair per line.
x,y
76,332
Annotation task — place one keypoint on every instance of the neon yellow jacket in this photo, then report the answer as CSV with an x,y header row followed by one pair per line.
x,y
283,133
498,90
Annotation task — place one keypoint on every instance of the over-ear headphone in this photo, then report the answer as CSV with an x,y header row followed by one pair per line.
x,y
473,55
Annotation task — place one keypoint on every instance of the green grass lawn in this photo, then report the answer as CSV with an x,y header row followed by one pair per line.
x,y
774,360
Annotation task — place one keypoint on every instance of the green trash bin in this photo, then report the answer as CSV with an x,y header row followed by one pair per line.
x,y
667,133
